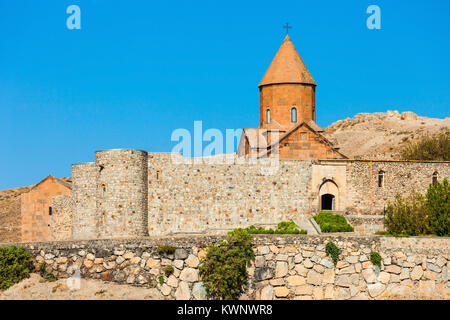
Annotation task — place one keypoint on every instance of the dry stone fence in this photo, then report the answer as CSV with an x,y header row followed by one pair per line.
x,y
285,266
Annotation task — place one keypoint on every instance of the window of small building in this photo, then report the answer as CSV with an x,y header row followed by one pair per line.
x,y
50,211
294,115
268,116
303,135
434,180
381,178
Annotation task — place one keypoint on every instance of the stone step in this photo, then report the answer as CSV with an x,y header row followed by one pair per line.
x,y
305,224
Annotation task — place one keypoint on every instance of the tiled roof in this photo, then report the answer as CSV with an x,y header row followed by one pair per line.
x,y
287,67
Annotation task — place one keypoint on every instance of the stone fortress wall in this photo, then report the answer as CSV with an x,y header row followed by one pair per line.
x,y
130,193
212,198
285,266
111,195
399,177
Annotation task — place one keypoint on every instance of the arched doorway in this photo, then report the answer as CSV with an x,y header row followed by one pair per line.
x,y
328,196
327,202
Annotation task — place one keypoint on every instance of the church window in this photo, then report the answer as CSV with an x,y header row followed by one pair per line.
x,y
268,116
435,178
381,179
294,115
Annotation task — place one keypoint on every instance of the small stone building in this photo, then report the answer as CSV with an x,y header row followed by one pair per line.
x,y
40,212
37,213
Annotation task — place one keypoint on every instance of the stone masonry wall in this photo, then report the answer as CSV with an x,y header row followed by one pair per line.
x,y
10,220
111,195
61,219
122,201
85,191
127,193
402,177
213,198
285,266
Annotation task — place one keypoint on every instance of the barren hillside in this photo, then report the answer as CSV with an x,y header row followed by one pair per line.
x,y
381,135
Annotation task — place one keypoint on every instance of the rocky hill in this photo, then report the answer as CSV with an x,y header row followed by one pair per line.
x,y
381,135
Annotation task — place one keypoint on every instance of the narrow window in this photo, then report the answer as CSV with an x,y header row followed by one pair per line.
x,y
381,178
435,178
158,175
294,115
268,116
103,190
50,211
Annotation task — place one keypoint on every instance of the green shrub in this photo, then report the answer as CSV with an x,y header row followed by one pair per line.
x,y
429,148
15,265
42,268
288,227
438,205
166,249
161,279
375,258
224,269
408,216
47,275
332,250
168,270
330,222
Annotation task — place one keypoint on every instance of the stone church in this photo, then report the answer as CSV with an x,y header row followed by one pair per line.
x,y
128,193
287,113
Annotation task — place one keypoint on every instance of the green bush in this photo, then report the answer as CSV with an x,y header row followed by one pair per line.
x,y
166,249
408,216
15,265
47,275
429,148
330,222
288,227
438,205
332,250
168,270
375,258
224,269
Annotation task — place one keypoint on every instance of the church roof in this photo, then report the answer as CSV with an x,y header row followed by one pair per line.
x,y
254,136
287,67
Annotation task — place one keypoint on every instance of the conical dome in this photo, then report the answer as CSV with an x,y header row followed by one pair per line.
x,y
287,67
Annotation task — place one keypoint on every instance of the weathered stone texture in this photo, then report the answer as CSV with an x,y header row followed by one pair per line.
x,y
137,262
111,195
61,219
213,198
399,177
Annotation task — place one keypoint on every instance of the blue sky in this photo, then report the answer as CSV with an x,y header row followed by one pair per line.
x,y
137,70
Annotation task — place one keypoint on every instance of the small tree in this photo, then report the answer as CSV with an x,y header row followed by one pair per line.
x,y
438,204
408,215
429,148
224,270
15,265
